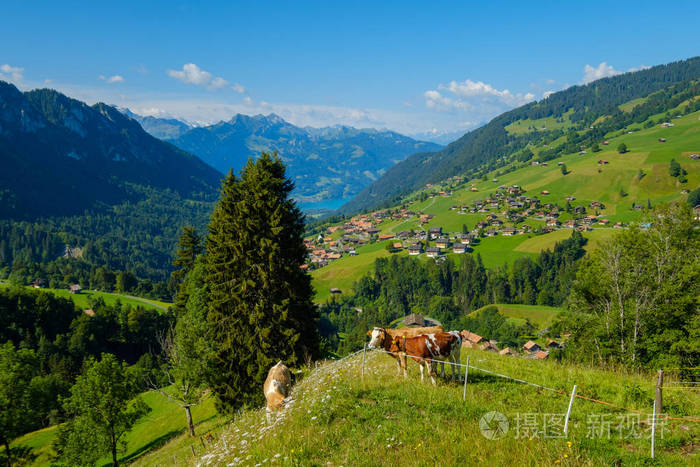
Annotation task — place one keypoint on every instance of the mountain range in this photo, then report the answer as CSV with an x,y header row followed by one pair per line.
x,y
59,156
325,163
564,119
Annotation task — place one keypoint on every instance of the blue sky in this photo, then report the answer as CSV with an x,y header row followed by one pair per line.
x,y
414,67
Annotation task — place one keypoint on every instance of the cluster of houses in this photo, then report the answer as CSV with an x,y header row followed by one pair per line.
x,y
357,231
530,350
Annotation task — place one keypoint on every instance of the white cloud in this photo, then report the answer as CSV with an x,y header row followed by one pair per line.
x,y
11,73
601,71
238,88
112,79
546,94
480,100
192,74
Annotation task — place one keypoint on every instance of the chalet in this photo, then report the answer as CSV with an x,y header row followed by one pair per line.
x,y
605,143
531,346
491,233
435,232
304,267
75,288
39,284
552,222
489,346
333,256
404,234
414,250
442,243
662,140
694,157
544,164
596,205
552,344
397,245
570,224
570,198
352,252
580,210
667,124
386,236
618,225
509,231
541,355
90,312
508,351
414,319
372,230
544,192
335,290
685,191
432,252
459,248
471,338
496,222
473,189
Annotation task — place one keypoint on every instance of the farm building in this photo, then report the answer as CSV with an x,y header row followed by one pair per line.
x,y
414,319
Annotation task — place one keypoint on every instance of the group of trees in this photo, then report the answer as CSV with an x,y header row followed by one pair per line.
x,y
634,300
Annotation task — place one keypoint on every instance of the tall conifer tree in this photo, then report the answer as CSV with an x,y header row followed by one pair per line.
x,y
260,307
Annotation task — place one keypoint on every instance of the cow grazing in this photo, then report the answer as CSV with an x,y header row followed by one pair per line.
x,y
277,387
402,332
426,350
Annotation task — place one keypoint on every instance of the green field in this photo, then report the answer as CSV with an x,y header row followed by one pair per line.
x,y
165,423
539,315
586,181
340,417
82,299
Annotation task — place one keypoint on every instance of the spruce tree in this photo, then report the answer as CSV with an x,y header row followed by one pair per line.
x,y
189,247
260,301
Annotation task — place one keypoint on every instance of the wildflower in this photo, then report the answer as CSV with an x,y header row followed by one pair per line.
x,y
569,443
566,455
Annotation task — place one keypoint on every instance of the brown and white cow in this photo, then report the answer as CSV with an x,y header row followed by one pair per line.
x,y
426,350
277,387
402,332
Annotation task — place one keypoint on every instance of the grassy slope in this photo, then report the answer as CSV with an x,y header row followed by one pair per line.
x,y
539,315
584,181
164,423
336,419
82,301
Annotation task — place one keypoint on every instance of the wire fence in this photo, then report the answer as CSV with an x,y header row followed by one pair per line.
x,y
530,383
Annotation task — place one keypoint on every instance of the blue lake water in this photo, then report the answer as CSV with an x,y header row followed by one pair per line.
x,y
326,205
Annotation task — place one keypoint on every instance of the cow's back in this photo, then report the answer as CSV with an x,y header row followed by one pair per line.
x,y
413,332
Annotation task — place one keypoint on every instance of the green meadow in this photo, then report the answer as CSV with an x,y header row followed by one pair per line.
x,y
617,184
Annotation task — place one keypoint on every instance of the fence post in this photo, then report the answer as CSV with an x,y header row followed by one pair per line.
x,y
659,390
466,375
568,412
364,352
653,429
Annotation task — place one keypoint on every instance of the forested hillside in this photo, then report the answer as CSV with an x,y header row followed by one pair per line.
x,y
581,113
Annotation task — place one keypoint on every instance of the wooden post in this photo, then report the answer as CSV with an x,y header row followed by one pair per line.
x,y
659,390
653,429
466,375
568,412
364,352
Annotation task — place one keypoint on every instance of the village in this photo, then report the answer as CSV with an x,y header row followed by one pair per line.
x,y
505,213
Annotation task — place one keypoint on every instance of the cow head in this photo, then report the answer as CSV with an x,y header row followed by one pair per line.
x,y
377,337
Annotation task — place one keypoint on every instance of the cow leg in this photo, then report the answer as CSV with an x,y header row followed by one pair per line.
x,y
420,365
398,365
433,368
268,415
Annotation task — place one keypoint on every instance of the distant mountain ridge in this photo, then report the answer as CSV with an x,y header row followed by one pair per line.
x,y
161,128
325,163
59,156
487,147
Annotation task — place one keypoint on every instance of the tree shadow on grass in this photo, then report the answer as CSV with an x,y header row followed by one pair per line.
x,y
157,443
21,455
